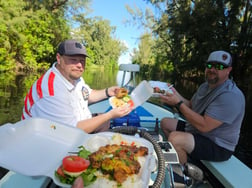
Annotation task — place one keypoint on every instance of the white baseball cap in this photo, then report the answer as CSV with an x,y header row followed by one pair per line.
x,y
220,57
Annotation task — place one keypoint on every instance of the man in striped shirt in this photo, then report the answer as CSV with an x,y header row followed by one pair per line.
x,y
61,94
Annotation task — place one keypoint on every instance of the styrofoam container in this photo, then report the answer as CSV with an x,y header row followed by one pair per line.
x,y
141,93
36,147
162,86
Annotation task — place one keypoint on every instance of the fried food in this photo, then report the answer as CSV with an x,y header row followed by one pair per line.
x,y
158,90
119,161
122,92
117,102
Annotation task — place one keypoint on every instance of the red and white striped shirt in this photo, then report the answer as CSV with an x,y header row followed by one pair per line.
x,y
55,98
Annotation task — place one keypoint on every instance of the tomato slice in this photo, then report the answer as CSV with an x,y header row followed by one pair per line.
x,y
74,163
131,103
60,171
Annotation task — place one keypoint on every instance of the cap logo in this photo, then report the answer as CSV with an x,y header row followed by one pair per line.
x,y
224,57
78,45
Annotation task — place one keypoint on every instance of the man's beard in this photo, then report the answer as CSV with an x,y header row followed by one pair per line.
x,y
211,81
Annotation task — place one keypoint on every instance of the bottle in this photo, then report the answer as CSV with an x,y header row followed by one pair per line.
x,y
156,126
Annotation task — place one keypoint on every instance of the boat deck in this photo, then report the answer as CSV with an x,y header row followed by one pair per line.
x,y
149,113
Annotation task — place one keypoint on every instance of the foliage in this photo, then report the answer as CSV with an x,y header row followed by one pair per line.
x,y
11,19
29,34
97,34
185,32
31,31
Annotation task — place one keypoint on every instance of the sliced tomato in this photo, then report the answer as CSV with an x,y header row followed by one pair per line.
x,y
74,163
131,103
60,171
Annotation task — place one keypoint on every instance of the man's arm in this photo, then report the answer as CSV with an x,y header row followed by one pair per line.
x,y
202,123
89,125
97,95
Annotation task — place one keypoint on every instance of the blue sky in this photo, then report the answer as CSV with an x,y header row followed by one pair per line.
x,y
116,13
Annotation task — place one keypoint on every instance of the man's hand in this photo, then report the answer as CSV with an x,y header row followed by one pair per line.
x,y
78,183
170,99
120,111
113,90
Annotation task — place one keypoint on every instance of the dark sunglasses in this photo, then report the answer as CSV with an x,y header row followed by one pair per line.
x,y
217,66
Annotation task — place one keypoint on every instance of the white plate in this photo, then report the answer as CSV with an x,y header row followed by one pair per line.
x,y
112,104
160,85
157,94
101,139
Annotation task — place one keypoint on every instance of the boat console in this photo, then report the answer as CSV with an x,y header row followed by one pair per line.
x,y
170,154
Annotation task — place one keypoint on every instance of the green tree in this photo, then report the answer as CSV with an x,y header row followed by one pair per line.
x,y
29,34
32,30
186,32
11,19
103,48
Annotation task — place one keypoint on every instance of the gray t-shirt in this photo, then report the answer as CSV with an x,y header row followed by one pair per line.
x,y
225,103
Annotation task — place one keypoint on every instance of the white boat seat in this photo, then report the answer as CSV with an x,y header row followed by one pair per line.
x,y
132,68
129,67
231,173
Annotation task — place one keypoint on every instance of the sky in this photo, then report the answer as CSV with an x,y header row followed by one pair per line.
x,y
116,13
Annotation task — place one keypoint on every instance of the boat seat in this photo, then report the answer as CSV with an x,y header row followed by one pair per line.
x,y
132,68
231,173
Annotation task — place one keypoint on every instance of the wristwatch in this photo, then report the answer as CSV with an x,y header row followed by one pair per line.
x,y
106,92
177,106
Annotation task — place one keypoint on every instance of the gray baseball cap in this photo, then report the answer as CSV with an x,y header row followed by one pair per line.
x,y
220,57
72,47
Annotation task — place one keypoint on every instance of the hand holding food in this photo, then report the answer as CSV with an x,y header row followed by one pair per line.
x,y
120,93
121,98
158,90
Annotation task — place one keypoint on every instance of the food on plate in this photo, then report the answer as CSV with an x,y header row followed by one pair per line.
x,y
158,90
115,102
118,161
122,92
121,98
117,164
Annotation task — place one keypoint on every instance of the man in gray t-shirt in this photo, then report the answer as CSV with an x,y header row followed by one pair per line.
x,y
213,115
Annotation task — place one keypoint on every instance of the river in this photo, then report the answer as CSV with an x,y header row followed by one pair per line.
x,y
13,89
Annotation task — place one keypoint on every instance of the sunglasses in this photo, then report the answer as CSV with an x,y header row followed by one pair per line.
x,y
217,66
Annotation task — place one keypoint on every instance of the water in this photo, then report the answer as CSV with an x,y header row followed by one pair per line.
x,y
13,89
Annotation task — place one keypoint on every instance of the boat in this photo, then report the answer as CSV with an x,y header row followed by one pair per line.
x,y
144,121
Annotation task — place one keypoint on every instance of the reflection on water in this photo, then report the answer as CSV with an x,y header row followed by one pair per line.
x,y
13,90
